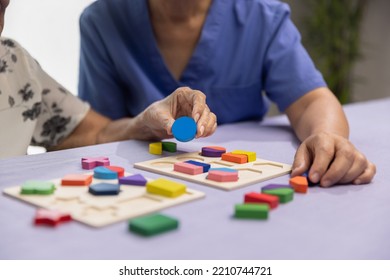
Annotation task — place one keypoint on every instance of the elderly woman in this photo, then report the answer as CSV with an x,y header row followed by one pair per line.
x,y
35,109
135,52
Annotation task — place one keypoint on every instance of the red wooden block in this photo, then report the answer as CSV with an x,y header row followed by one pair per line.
x,y
51,217
76,180
117,169
187,168
235,158
253,197
299,183
221,176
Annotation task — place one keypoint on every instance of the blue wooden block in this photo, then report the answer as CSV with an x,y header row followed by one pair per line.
x,y
104,189
101,172
184,129
225,169
205,166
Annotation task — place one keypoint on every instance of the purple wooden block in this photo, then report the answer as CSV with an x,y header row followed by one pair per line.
x,y
275,186
91,163
209,152
135,180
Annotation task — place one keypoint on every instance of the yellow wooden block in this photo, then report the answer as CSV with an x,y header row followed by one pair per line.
x,y
251,155
165,187
155,148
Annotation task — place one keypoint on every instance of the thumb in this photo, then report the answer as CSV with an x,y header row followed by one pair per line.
x,y
301,161
168,122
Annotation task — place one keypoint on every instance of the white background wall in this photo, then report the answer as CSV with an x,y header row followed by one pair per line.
x,y
49,30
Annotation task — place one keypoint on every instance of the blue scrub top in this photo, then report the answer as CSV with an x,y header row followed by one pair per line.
x,y
246,48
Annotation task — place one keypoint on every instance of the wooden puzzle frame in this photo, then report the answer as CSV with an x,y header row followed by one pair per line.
x,y
99,211
248,173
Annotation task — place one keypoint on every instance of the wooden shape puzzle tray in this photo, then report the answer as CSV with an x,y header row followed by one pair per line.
x,y
99,211
248,173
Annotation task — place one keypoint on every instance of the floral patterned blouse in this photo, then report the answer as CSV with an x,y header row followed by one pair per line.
x,y
34,108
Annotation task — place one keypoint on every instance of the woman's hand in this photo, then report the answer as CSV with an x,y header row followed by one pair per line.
x,y
332,159
157,120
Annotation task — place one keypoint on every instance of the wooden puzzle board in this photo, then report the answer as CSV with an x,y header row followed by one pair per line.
x,y
99,211
248,173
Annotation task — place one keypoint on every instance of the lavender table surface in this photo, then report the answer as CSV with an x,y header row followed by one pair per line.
x,y
344,222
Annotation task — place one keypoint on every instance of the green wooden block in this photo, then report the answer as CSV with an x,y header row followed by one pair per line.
x,y
252,211
285,194
169,147
37,187
153,224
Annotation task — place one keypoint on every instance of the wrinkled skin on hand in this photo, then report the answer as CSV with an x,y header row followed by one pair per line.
x,y
158,118
332,159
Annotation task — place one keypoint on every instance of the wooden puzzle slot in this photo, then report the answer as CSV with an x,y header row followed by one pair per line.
x,y
250,169
190,158
223,163
268,164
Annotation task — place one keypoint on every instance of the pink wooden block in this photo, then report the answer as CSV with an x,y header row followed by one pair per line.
x,y
91,163
221,176
187,168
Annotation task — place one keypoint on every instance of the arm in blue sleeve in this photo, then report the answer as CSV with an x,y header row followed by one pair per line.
x,y
98,81
289,71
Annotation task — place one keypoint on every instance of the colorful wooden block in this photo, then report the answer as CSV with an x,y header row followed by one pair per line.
x,y
224,169
251,211
253,197
51,217
205,166
235,158
184,129
101,172
37,187
251,156
299,183
153,224
91,163
169,146
221,176
285,194
134,180
76,180
213,151
165,187
187,168
155,148
119,170
275,186
104,189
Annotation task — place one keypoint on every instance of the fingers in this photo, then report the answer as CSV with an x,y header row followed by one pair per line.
x,y
323,152
188,102
367,175
302,161
207,124
335,161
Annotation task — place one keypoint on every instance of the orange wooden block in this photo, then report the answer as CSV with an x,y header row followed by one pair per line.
x,y
300,184
76,180
187,168
221,176
117,169
235,158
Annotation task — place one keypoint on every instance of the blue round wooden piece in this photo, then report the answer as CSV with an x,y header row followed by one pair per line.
x,y
184,129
